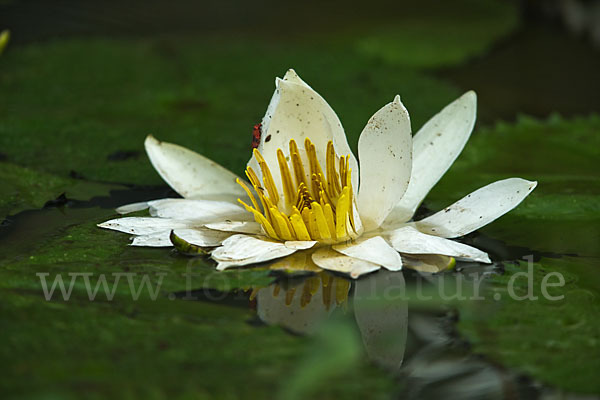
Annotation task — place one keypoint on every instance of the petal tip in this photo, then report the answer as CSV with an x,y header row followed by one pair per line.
x,y
471,95
290,74
151,141
532,185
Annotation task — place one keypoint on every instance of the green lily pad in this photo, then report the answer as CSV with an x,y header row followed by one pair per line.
x,y
541,337
95,114
25,188
440,34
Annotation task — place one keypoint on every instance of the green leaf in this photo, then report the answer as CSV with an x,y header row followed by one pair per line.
x,y
92,116
25,188
437,34
541,337
185,247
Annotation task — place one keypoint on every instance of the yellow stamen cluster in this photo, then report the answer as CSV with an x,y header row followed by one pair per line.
x,y
321,209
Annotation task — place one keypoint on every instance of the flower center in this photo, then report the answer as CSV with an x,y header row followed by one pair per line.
x,y
318,206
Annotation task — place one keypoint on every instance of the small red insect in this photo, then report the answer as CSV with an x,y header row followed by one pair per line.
x,y
256,132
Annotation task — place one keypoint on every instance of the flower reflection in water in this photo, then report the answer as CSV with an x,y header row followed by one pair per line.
x,y
419,349
302,306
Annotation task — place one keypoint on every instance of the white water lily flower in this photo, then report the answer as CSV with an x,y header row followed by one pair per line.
x,y
306,194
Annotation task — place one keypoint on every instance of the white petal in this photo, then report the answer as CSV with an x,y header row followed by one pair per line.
x,y
133,207
236,226
381,313
297,112
300,244
202,237
190,174
205,211
144,225
375,250
329,259
384,150
156,239
477,209
340,141
238,250
435,147
409,240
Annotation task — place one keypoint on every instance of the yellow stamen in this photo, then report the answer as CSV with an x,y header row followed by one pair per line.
x,y
299,227
267,178
286,178
248,192
297,163
342,170
350,194
281,226
306,220
333,179
322,210
341,213
261,220
312,223
327,211
321,222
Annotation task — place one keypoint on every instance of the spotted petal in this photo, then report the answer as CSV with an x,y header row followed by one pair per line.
x,y
197,236
478,208
191,174
375,250
156,239
435,147
331,260
297,112
132,207
240,250
384,150
144,225
409,240
236,226
202,211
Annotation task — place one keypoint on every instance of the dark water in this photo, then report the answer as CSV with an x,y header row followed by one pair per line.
x,y
537,71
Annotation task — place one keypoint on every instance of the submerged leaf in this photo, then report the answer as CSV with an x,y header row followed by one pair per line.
x,y
432,263
185,247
